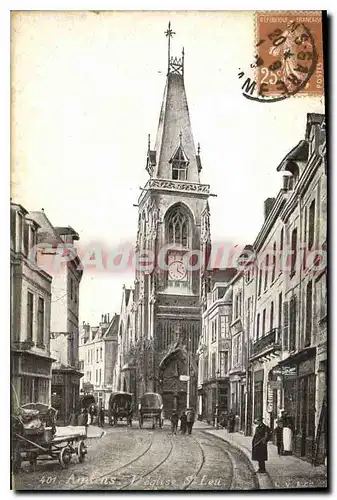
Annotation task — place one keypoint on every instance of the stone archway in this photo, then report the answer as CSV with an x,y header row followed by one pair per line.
x,y
174,391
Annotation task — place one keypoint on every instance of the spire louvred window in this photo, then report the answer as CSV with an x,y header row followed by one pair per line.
x,y
179,163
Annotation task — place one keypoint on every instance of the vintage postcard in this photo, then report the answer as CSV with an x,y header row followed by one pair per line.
x,y
168,250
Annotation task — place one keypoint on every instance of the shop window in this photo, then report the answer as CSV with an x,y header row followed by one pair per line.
x,y
26,390
258,394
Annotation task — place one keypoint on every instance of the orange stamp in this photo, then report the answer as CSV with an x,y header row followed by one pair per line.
x,y
289,57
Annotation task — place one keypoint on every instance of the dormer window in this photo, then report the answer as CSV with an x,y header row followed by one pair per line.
x,y
179,163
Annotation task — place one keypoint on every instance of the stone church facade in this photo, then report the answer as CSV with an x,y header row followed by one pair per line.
x,y
173,223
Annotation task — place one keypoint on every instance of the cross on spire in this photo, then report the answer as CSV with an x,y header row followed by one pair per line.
x,y
169,34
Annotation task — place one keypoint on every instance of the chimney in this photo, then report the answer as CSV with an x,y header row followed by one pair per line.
x,y
268,205
108,317
285,182
102,318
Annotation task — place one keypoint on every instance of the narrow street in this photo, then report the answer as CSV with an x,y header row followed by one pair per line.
x,y
145,459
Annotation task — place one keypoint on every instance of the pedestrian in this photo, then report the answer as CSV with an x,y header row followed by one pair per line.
x,y
93,413
183,423
259,444
174,422
83,418
101,416
279,436
231,421
190,417
73,418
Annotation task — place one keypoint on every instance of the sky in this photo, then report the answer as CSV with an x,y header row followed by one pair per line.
x,y
86,92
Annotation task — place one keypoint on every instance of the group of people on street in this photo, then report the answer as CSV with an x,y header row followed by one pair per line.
x,y
86,417
186,421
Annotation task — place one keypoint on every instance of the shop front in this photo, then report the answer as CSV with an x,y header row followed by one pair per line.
x,y
31,378
299,387
65,393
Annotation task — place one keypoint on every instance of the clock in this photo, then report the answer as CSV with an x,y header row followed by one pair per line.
x,y
177,270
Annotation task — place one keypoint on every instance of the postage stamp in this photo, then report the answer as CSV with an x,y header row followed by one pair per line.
x,y
289,53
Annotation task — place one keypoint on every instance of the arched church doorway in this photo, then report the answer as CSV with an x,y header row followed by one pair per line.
x,y
172,389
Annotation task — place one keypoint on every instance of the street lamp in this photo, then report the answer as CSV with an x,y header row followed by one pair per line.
x,y
217,400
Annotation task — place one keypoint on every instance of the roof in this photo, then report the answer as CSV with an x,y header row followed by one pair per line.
x,y
313,119
298,153
112,330
175,126
60,230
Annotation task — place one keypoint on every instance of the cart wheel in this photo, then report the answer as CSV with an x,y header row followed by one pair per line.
x,y
16,461
81,451
65,457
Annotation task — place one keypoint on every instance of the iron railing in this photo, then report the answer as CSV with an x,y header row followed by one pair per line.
x,y
270,340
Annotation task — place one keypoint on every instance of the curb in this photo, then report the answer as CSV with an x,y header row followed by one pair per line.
x,y
265,481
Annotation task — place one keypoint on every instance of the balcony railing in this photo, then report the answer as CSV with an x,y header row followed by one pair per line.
x,y
269,342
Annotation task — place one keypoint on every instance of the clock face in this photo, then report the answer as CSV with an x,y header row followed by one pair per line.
x,y
177,270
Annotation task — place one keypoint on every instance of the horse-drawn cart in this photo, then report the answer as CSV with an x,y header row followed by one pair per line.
x,y
151,408
35,437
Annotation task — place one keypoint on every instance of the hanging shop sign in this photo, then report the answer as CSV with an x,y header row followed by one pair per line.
x,y
286,371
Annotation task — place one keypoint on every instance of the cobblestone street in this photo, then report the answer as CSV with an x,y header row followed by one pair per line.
x,y
145,459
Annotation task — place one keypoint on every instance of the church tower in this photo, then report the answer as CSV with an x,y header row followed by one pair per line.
x,y
173,224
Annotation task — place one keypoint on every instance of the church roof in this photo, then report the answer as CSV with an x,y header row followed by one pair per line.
x,y
175,126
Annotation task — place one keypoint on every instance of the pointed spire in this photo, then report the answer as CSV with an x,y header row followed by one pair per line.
x,y
198,148
148,142
174,120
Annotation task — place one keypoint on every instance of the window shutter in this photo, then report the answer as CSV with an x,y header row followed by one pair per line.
x,y
285,339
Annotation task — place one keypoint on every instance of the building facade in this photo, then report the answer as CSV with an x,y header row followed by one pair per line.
x,y
277,302
57,252
98,353
214,352
31,359
288,358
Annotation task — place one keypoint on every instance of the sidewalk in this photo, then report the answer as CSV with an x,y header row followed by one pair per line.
x,y
283,471
94,432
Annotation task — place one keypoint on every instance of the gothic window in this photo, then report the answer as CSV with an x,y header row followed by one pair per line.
x,y
179,165
178,228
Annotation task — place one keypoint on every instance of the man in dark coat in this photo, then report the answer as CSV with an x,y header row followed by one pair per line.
x,y
174,422
259,444
190,419
183,423
231,421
